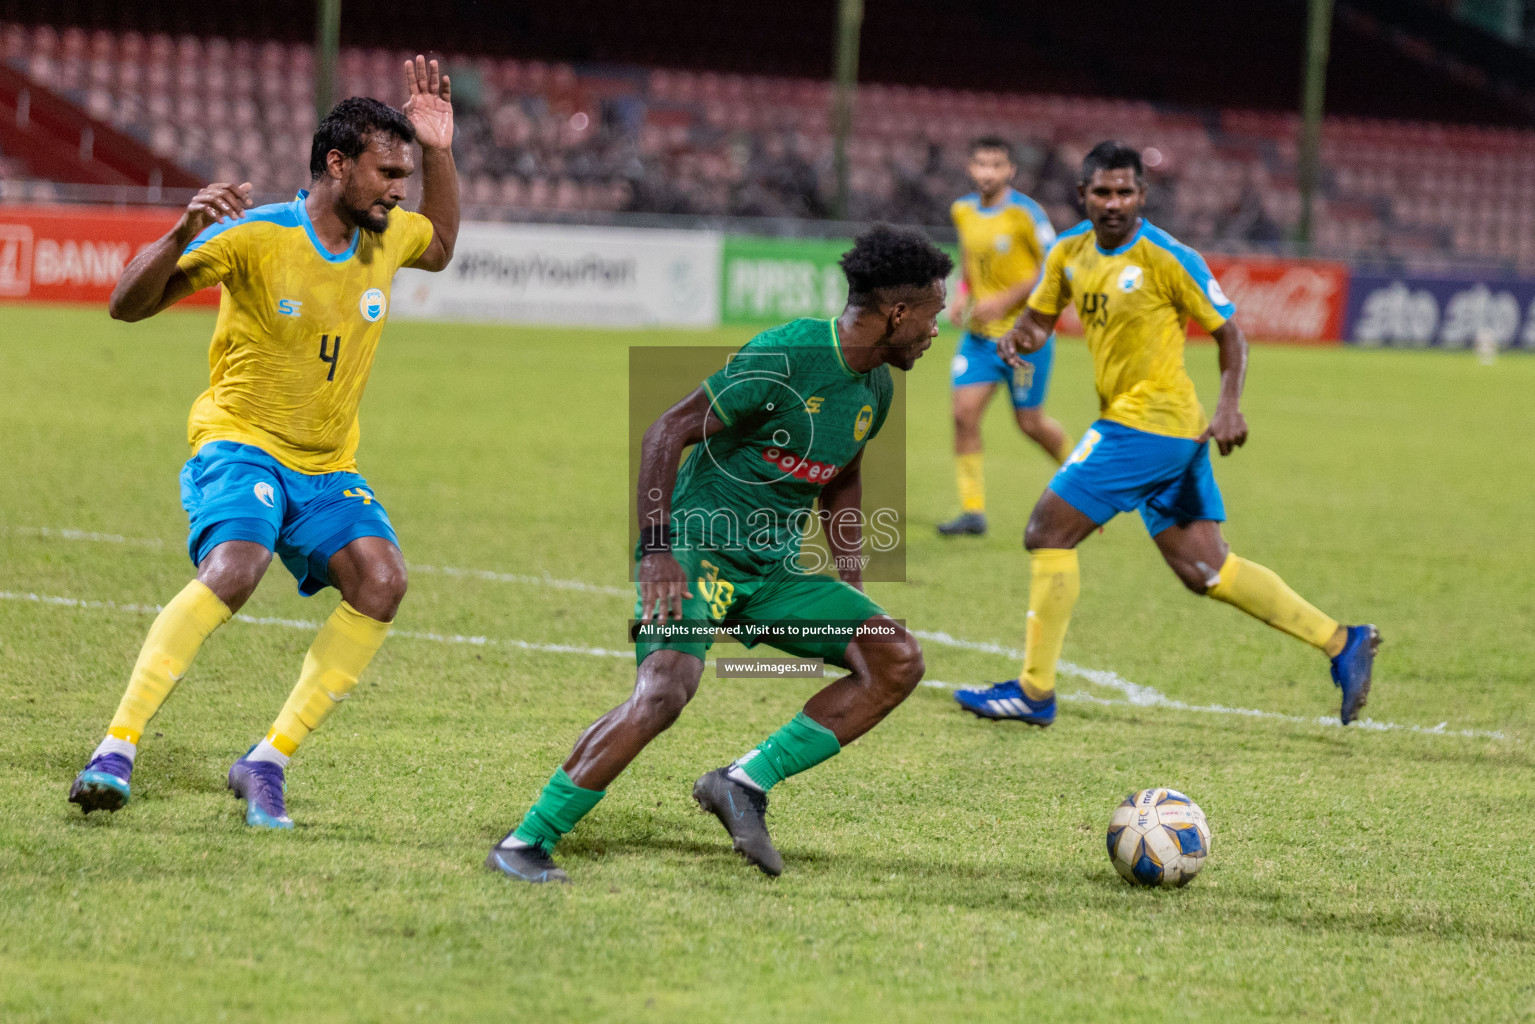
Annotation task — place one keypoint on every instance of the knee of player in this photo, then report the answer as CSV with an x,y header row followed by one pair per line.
x,y
901,666
1194,577
660,705
233,571
383,588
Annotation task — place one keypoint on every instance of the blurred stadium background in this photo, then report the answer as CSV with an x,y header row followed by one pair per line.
x,y
604,112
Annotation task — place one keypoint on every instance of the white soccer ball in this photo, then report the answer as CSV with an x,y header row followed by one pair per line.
x,y
1158,837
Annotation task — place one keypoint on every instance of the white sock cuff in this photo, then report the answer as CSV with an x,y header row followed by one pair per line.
x,y
738,774
266,752
113,745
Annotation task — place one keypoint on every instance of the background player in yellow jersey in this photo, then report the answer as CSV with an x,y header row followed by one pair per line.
x,y
1003,238
306,294
1135,288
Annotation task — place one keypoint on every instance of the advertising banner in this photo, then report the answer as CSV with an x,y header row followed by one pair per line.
x,y
546,274
1285,300
1421,311
770,280
777,279
75,254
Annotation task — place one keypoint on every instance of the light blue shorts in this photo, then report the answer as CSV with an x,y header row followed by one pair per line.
x,y
236,491
1115,468
976,362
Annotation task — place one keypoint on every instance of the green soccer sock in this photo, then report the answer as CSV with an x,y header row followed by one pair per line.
x,y
556,811
800,745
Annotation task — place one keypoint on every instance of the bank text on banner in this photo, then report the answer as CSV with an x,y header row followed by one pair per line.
x,y
75,254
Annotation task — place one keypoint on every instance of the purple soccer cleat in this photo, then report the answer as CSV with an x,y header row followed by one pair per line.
x,y
260,784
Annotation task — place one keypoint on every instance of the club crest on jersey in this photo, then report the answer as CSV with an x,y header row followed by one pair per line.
x,y
372,304
264,494
864,421
1130,278
1003,243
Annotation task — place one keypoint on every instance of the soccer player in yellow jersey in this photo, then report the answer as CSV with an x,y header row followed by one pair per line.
x,y
306,294
1003,238
1135,287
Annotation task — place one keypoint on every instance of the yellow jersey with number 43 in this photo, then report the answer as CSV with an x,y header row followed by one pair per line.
x,y
296,332
1135,302
1002,246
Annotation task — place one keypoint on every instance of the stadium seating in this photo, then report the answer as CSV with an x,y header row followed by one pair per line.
x,y
539,139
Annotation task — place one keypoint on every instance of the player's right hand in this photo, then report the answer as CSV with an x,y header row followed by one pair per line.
x,y
957,314
663,586
214,204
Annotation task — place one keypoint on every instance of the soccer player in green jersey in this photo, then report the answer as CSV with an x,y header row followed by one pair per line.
x,y
780,429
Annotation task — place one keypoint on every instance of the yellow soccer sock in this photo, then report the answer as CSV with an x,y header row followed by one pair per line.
x,y
173,641
1262,594
1053,588
345,645
970,473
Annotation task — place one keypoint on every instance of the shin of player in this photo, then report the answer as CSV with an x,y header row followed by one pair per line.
x,y
1003,238
1135,287
786,421
275,436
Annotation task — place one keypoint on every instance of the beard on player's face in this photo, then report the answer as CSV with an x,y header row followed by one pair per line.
x,y
370,213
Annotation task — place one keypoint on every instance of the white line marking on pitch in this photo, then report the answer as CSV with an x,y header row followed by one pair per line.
x,y
544,580
1137,700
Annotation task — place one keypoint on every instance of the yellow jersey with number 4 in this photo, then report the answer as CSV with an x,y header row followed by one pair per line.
x,y
1135,302
1002,246
297,330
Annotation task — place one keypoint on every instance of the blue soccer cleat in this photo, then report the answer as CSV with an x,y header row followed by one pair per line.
x,y
1007,700
103,785
260,784
1352,668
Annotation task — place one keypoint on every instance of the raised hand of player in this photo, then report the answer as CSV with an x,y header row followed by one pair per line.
x,y
663,586
1228,429
429,103
213,205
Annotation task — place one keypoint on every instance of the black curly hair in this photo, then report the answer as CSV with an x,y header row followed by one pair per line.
x,y
885,257
349,126
1112,156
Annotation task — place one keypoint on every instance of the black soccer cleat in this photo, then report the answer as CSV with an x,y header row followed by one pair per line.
x,y
971,523
526,863
743,812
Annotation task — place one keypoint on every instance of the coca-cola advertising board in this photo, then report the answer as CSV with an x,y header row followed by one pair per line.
x,y
1431,311
75,253
1285,300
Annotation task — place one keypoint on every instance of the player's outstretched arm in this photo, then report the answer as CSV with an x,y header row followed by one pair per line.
x,y
151,281
1228,427
663,584
1028,335
429,106
842,520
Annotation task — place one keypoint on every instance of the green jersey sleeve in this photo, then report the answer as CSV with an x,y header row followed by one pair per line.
x,y
742,390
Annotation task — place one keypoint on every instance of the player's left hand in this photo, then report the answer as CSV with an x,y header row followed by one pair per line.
x,y
1228,429
429,103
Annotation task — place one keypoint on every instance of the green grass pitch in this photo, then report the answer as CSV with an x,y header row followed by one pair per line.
x,y
941,868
